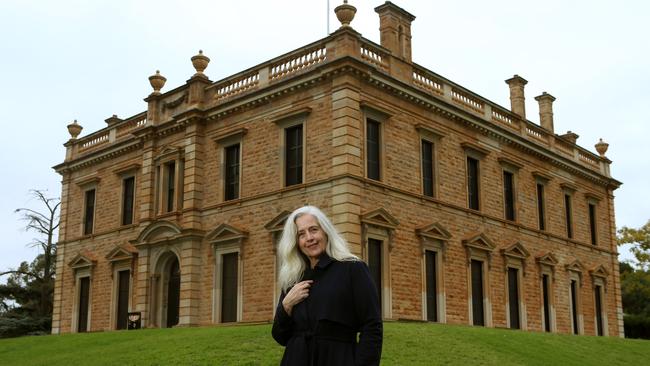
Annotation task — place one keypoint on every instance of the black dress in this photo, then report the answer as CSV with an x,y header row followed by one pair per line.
x,y
323,328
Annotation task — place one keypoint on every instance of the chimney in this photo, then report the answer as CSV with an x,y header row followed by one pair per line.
x,y
395,29
546,110
517,99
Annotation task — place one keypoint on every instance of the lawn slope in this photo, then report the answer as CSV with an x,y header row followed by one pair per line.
x,y
404,344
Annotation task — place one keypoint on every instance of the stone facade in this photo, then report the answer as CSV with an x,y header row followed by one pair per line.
x,y
177,156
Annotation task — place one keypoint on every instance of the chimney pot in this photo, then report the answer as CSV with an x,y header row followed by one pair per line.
x,y
517,98
546,110
395,29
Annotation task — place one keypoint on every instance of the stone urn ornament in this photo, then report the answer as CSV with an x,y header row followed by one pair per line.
x,y
345,13
200,63
157,82
601,147
74,129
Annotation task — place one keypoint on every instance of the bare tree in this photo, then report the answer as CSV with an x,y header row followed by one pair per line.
x,y
40,274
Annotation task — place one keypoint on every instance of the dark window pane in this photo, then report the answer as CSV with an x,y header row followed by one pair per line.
x,y
472,183
229,288
574,306
427,168
592,223
567,214
123,299
84,301
513,297
89,216
128,193
509,195
374,263
293,155
477,293
171,181
432,282
232,172
547,304
540,206
373,139
599,311
173,294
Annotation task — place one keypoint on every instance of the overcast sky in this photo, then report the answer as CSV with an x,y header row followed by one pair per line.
x,y
86,60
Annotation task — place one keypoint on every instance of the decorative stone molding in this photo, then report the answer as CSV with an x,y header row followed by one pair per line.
x,y
516,253
434,235
549,261
478,244
226,233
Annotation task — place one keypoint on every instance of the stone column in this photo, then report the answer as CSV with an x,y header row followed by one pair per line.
x,y
191,265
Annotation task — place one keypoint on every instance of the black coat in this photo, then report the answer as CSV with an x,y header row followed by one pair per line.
x,y
322,329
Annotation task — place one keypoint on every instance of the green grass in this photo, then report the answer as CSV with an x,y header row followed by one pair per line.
x,y
404,344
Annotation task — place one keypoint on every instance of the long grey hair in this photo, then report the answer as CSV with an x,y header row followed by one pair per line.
x,y
292,264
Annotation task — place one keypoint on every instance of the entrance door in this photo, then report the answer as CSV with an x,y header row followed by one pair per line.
x,y
173,294
123,299
84,298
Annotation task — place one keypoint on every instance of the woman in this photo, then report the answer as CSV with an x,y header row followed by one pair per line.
x,y
327,297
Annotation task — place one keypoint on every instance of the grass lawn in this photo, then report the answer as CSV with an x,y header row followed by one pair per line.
x,y
404,344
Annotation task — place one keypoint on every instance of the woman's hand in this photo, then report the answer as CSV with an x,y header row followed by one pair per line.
x,y
297,294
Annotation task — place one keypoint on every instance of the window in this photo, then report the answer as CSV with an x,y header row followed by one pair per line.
x,y
169,180
373,149
509,195
83,304
540,207
568,215
473,183
89,211
123,287
546,302
479,248
427,168
170,185
592,223
574,307
547,263
513,298
128,195
432,285
599,309
293,155
227,244
232,172
229,282
377,236
375,264
478,316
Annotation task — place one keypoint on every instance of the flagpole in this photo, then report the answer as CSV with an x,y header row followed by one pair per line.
x,y
328,17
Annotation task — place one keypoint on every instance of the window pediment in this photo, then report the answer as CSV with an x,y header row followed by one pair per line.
x,y
433,231
84,259
169,153
277,223
226,233
156,231
599,271
479,241
516,251
381,218
575,266
122,252
547,259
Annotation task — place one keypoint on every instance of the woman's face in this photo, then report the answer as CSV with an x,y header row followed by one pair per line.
x,y
312,240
